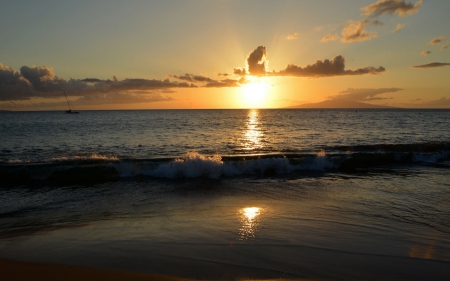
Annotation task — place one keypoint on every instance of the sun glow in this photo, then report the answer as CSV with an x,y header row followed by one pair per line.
x,y
255,93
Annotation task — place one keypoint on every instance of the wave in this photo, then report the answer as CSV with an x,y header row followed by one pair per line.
x,y
97,168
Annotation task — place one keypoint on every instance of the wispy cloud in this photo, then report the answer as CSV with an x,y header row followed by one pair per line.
x,y
432,65
364,94
399,27
355,32
425,53
438,40
292,36
445,47
330,37
399,7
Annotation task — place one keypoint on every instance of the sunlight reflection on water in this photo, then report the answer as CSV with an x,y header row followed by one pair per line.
x,y
253,135
250,219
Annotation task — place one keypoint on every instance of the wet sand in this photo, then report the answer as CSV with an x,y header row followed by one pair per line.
x,y
18,271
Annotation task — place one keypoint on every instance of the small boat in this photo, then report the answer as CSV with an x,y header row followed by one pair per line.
x,y
70,111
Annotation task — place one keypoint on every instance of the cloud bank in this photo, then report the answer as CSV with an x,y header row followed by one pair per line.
x,y
257,59
326,68
41,82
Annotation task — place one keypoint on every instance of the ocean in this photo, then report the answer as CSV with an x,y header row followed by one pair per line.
x,y
332,194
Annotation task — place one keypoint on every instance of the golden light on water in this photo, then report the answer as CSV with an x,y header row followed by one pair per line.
x,y
253,135
251,212
250,219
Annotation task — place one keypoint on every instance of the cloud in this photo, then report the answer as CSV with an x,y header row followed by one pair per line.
x,y
355,32
440,102
40,81
438,40
224,74
256,61
425,53
121,98
193,78
318,28
326,68
399,27
432,65
445,47
330,37
364,94
292,36
399,7
225,83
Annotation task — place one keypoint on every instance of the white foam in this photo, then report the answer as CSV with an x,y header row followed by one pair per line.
x,y
192,165
93,156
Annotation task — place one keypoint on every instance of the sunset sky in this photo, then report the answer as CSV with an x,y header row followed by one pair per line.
x,y
223,53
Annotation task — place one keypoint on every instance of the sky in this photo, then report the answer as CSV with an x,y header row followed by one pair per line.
x,y
223,53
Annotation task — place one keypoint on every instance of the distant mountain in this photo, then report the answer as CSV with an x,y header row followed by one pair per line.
x,y
339,103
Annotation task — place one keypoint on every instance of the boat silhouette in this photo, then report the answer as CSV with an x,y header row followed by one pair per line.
x,y
70,111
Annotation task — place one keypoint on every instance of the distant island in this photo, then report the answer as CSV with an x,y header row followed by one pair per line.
x,y
339,103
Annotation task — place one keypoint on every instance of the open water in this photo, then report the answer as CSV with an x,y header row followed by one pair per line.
x,y
230,194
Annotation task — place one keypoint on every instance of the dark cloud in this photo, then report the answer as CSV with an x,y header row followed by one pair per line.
x,y
224,74
364,94
256,61
40,81
438,40
432,65
326,68
13,84
193,78
399,7
425,53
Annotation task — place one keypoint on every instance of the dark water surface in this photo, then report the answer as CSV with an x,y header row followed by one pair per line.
x,y
230,194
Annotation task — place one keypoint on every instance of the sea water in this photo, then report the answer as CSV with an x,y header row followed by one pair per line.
x,y
230,194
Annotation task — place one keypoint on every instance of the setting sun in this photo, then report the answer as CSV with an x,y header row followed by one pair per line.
x,y
255,93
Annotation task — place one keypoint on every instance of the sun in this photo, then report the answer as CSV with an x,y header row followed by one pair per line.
x,y
255,93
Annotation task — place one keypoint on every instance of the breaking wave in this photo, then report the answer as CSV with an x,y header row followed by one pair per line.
x,y
97,168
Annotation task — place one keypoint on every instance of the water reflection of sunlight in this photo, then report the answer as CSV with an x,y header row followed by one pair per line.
x,y
249,222
253,134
